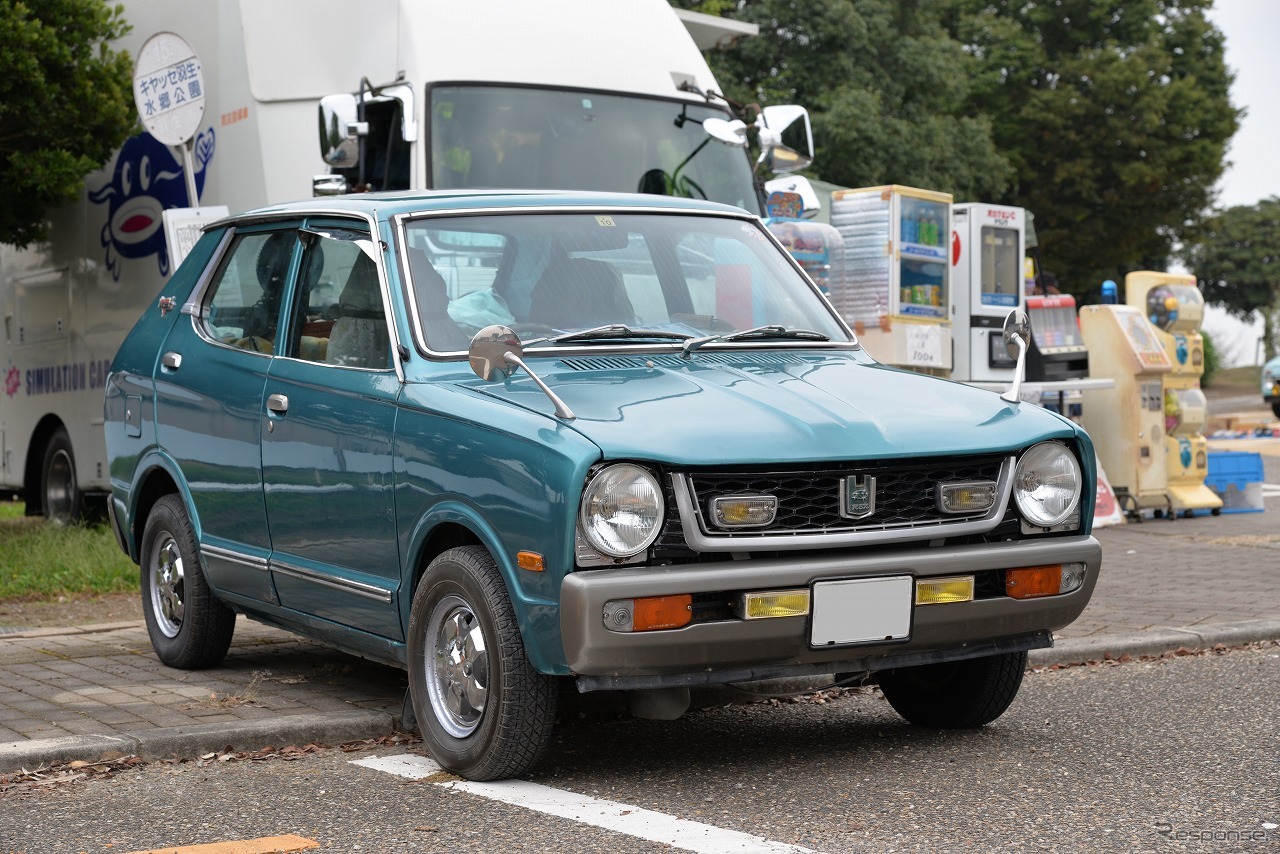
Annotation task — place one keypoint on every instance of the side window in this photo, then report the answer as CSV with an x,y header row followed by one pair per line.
x,y
338,316
242,307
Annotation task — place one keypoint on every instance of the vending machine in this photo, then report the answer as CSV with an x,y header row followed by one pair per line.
x,y
896,289
1126,420
1175,308
987,271
816,246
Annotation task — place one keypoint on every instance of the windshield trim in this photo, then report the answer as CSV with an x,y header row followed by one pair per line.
x,y
400,223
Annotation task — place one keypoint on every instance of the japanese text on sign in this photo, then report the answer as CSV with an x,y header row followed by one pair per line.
x,y
169,88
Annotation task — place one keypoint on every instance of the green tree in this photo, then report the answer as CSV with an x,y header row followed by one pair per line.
x,y
885,85
66,102
1235,255
1116,116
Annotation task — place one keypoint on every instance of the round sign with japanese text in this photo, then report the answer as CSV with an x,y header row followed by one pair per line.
x,y
168,88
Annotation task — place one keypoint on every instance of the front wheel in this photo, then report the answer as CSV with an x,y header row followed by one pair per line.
x,y
484,712
1275,407
955,694
188,626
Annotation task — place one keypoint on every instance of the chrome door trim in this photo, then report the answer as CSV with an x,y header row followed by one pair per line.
x,y
235,557
357,588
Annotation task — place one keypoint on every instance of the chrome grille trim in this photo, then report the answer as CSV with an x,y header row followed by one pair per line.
x,y
698,538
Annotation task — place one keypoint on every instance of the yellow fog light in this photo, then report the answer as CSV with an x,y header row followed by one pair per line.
x,y
976,497
941,591
743,511
772,603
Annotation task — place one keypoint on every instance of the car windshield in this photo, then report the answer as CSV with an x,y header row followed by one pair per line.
x,y
522,137
616,277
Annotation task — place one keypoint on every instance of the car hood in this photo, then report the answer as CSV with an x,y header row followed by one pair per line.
x,y
771,407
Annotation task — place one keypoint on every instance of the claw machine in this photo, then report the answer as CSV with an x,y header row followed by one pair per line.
x,y
1175,308
987,270
896,289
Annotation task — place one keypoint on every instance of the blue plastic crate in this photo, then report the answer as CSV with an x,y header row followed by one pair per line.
x,y
1236,477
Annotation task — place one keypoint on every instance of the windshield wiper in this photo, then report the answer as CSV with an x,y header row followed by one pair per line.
x,y
618,330
772,331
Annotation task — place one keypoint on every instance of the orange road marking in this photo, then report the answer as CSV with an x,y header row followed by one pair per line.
x,y
264,845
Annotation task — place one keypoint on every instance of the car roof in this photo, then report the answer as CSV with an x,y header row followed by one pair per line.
x,y
387,204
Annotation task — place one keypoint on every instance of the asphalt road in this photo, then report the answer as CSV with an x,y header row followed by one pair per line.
x,y
1170,754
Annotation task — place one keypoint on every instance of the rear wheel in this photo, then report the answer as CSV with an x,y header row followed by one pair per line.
x,y
60,498
955,694
483,711
188,626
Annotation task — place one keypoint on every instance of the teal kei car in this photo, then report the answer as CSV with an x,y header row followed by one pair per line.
x,y
506,440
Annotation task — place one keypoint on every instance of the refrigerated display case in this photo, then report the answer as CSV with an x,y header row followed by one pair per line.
x,y
896,290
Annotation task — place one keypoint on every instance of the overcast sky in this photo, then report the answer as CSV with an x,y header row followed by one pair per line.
x,y
1252,28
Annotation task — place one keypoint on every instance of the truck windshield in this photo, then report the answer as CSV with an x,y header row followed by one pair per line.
x,y
527,138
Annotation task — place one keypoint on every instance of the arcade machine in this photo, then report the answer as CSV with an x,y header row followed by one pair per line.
x,y
896,292
1175,307
987,264
1126,420
1057,358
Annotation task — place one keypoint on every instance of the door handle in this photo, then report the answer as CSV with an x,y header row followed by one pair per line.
x,y
171,360
278,403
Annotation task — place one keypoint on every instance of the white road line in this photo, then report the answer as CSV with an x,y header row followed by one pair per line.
x,y
610,815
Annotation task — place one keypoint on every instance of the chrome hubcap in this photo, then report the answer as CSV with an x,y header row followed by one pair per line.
x,y
167,590
458,681
59,486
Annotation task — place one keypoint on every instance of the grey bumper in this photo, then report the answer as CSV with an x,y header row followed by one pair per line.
x,y
708,653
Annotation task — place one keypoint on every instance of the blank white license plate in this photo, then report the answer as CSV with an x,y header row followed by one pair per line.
x,y
862,610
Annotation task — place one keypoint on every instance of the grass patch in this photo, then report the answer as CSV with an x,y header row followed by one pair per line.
x,y
39,560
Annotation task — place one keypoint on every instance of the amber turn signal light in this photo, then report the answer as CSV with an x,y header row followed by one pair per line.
x,y
1032,581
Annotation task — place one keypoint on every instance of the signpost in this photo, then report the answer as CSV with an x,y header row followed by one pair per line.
x,y
168,90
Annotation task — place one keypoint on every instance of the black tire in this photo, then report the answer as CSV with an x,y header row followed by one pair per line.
x,y
955,694
483,711
60,498
1275,408
189,628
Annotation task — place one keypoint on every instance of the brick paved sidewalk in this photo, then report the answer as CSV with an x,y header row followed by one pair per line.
x,y
74,693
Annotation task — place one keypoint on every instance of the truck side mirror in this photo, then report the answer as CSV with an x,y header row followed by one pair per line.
x,y
339,146
786,139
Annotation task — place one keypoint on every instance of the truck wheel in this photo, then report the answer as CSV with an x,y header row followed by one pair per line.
x,y
955,694
60,499
484,712
189,627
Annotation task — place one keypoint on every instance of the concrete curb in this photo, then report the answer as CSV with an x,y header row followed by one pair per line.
x,y
1155,642
333,729
192,741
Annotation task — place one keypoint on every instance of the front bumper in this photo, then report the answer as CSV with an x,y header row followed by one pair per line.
x,y
731,650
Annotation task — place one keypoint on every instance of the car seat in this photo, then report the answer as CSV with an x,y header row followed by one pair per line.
x,y
359,337
579,293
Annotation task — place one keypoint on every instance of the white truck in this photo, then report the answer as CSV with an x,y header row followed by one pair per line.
x,y
570,94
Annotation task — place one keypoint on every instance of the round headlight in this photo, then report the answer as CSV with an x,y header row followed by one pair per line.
x,y
621,510
1046,484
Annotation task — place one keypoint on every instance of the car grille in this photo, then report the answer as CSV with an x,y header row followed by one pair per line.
x,y
809,501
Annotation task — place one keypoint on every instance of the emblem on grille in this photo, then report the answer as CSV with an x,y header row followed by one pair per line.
x,y
857,496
